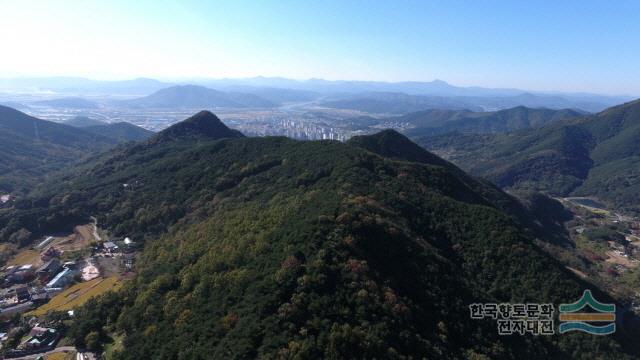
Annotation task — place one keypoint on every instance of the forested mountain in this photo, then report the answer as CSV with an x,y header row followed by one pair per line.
x,y
68,102
83,122
121,131
192,96
433,122
202,126
30,148
596,155
275,248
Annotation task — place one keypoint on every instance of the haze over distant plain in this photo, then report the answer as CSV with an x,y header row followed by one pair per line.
x,y
589,46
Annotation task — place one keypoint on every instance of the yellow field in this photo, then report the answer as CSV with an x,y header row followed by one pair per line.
x,y
77,295
25,257
6,247
61,356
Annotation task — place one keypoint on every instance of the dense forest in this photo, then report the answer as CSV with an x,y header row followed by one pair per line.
x,y
437,121
593,155
275,248
32,149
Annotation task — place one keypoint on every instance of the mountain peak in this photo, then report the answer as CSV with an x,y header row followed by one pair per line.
x,y
196,96
204,125
390,143
204,116
439,82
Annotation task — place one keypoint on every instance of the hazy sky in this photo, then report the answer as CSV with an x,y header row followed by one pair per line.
x,y
539,45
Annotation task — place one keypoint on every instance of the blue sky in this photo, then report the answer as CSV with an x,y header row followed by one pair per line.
x,y
539,45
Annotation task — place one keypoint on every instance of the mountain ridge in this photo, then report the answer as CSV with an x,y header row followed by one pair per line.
x,y
266,241
591,155
83,122
433,122
121,131
30,148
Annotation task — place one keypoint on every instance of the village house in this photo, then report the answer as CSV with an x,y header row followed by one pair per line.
x,y
61,280
128,260
22,293
49,254
129,245
14,295
19,275
39,297
41,338
6,294
48,270
110,247
8,298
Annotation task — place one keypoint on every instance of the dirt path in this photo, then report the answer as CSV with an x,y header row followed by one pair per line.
x,y
95,229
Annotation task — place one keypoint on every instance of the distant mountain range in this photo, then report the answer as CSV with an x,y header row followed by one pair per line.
x,y
432,88
80,86
192,96
487,98
401,103
281,90
592,155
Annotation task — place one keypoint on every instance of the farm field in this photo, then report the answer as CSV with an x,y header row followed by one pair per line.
x,y
78,294
63,355
26,256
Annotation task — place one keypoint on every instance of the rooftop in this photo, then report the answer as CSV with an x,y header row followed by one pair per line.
x,y
109,245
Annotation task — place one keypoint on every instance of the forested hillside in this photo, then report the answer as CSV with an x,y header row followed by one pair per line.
x,y
120,132
433,122
275,248
595,155
31,148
